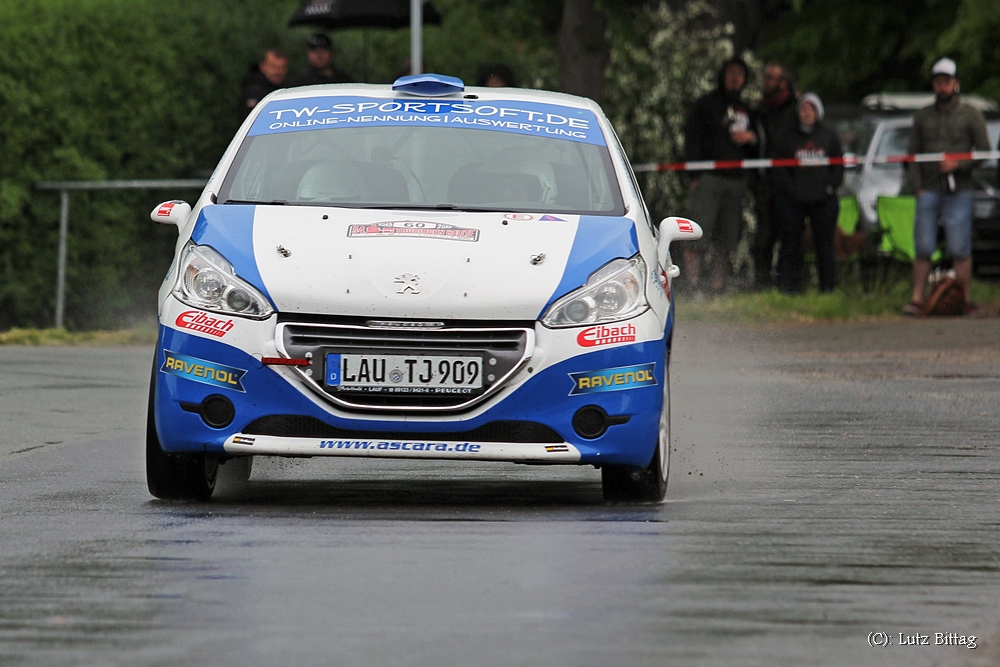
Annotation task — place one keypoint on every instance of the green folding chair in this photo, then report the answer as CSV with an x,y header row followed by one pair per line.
x,y
849,215
897,218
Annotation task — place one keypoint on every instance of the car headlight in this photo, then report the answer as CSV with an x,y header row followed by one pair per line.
x,y
616,291
207,281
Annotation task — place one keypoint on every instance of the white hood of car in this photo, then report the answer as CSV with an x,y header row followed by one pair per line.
x,y
436,264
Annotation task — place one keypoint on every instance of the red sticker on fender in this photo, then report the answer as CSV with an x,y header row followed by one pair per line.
x,y
605,335
198,321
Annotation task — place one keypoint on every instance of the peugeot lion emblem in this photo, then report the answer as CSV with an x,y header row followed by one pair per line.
x,y
409,283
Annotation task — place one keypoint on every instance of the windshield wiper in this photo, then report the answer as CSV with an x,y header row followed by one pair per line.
x,y
276,202
429,207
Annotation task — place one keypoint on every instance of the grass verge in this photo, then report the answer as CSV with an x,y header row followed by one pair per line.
x,y
137,336
845,304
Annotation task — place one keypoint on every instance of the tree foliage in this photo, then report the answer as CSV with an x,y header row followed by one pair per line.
x,y
119,89
845,49
973,39
109,89
654,76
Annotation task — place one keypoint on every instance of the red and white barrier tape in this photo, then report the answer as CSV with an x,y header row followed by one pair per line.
x,y
847,161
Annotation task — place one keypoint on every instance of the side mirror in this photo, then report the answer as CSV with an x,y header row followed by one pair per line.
x,y
174,212
675,229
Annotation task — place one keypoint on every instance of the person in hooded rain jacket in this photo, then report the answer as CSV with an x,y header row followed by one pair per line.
x,y
720,126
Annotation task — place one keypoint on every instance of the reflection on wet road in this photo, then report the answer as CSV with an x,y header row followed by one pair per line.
x,y
826,483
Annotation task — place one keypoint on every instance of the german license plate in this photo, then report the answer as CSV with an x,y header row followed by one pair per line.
x,y
402,374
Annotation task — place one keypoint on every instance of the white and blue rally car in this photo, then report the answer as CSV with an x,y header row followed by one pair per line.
x,y
422,271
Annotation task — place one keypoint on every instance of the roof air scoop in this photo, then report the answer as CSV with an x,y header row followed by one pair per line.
x,y
429,85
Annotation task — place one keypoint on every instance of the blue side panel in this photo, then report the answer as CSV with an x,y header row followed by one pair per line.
x,y
545,398
229,229
668,328
598,241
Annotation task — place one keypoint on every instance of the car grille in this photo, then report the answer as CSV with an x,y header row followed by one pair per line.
x,y
296,426
503,350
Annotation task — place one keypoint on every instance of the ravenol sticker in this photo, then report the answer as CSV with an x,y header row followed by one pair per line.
x,y
433,230
551,218
199,370
613,379
520,117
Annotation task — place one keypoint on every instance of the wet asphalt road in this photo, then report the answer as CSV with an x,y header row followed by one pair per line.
x,y
826,483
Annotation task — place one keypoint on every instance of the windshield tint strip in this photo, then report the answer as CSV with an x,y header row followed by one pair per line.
x,y
545,120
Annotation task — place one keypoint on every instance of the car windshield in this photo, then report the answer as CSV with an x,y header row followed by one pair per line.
x,y
894,141
855,134
396,165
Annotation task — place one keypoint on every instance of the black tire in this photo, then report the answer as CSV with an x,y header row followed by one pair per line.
x,y
175,476
649,484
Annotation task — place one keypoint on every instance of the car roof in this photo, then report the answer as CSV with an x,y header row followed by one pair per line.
x,y
907,121
480,94
917,101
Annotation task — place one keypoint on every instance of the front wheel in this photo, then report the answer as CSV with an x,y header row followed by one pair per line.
x,y
175,476
647,484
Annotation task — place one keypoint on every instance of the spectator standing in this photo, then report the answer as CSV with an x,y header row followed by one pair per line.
x,y
807,192
719,127
262,79
944,189
776,117
320,54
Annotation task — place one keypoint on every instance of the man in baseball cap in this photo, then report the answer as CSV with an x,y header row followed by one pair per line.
x,y
321,68
945,66
944,189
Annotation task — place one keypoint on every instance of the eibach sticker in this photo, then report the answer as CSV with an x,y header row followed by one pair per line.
x,y
605,335
198,321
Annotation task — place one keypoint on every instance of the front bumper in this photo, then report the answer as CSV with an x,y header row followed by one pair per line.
x,y
542,398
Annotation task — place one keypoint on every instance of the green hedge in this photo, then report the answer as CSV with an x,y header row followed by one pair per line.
x,y
109,89
120,89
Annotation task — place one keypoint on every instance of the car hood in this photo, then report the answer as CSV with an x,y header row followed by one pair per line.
x,y
412,264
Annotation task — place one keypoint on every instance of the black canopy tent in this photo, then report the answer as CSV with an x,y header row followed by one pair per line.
x,y
391,14
342,14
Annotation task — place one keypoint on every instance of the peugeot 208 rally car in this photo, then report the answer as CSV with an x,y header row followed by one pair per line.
x,y
419,271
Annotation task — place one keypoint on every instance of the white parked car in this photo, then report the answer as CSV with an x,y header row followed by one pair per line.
x,y
419,271
890,136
